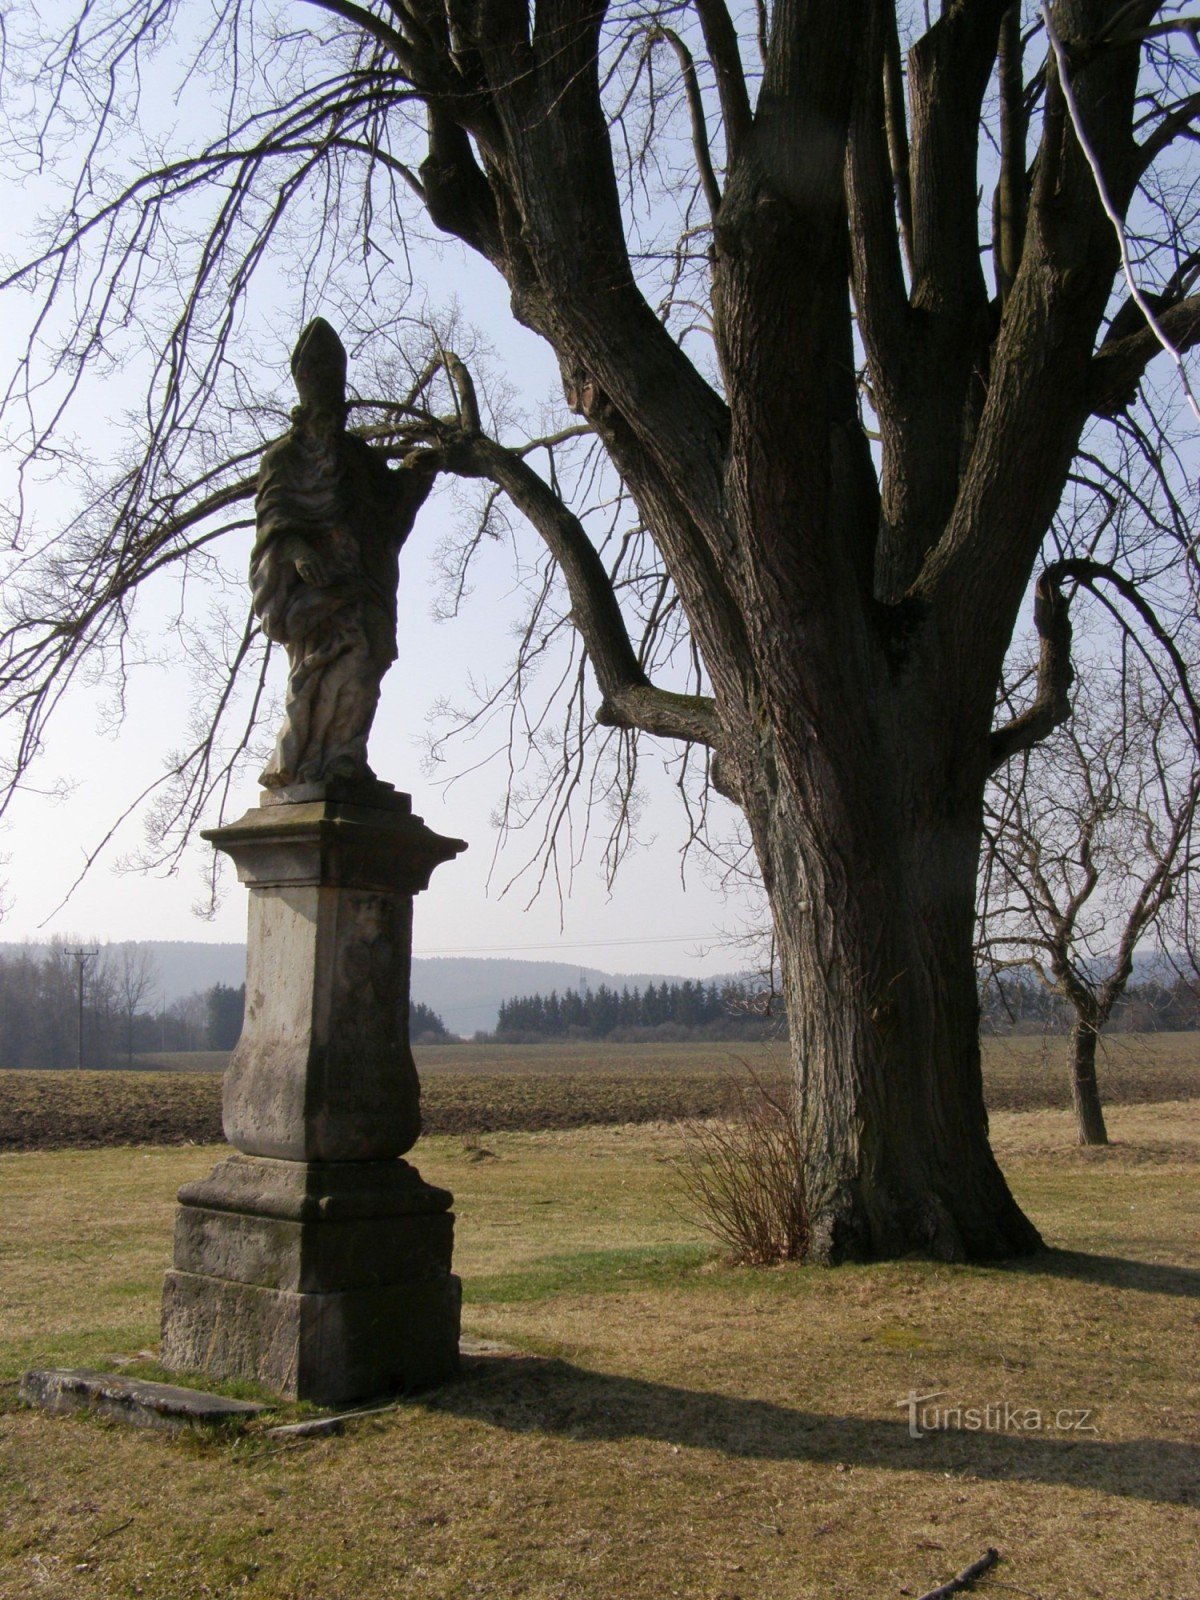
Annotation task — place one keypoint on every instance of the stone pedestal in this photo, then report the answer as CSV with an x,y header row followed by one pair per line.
x,y
316,1261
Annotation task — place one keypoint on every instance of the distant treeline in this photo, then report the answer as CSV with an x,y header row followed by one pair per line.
x,y
1014,1004
1017,1003
78,1004
662,1010
122,1017
44,1024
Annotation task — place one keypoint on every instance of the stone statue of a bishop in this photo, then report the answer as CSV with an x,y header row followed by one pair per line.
x,y
331,517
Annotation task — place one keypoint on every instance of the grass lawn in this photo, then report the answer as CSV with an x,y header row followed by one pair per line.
x,y
672,1427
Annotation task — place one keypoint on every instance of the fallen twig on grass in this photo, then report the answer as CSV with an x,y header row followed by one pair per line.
x,y
314,1426
275,1450
109,1533
966,1578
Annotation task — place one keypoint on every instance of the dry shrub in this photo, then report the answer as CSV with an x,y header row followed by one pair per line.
x,y
743,1174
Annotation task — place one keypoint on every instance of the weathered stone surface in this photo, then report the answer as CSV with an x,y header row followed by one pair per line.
x,y
329,1348
306,1238
337,834
131,1400
331,516
315,1261
313,1257
302,1191
323,1070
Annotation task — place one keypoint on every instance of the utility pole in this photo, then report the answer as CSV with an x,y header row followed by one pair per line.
x,y
81,958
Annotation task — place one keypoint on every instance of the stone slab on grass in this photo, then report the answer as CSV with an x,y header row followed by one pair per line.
x,y
131,1400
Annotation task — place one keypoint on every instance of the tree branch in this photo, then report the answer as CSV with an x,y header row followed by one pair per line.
x,y
370,24
938,377
1177,122
871,193
1055,676
1118,365
457,194
465,398
691,88
966,1578
1092,573
721,42
669,428
630,699
1010,190
1114,199
661,712
1052,702
1158,888
949,69
896,121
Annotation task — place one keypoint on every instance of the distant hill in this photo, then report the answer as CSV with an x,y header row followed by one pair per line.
x,y
465,991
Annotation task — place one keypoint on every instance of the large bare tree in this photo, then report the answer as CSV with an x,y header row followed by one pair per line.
x,y
839,364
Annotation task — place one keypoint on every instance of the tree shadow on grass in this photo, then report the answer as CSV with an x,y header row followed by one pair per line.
x,y
1118,1272
526,1394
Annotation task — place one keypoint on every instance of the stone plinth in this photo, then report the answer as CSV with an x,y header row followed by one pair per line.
x,y
316,1261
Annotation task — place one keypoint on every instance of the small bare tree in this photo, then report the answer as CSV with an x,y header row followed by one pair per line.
x,y
132,973
1093,851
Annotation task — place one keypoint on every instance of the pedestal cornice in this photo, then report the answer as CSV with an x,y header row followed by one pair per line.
x,y
336,840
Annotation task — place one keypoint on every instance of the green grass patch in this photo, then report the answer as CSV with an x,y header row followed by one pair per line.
x,y
584,1272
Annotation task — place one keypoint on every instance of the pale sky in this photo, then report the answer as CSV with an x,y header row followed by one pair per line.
x,y
651,920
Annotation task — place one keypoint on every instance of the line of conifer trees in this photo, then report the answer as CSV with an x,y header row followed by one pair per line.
x,y
733,1009
736,1010
1016,1003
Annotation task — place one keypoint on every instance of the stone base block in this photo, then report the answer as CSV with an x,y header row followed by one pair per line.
x,y
329,1348
323,1281
313,1257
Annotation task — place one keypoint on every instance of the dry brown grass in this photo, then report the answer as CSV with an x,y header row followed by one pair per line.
x,y
678,1429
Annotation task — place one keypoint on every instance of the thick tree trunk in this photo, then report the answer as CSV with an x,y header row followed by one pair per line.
x,y
873,897
1084,1090
853,621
